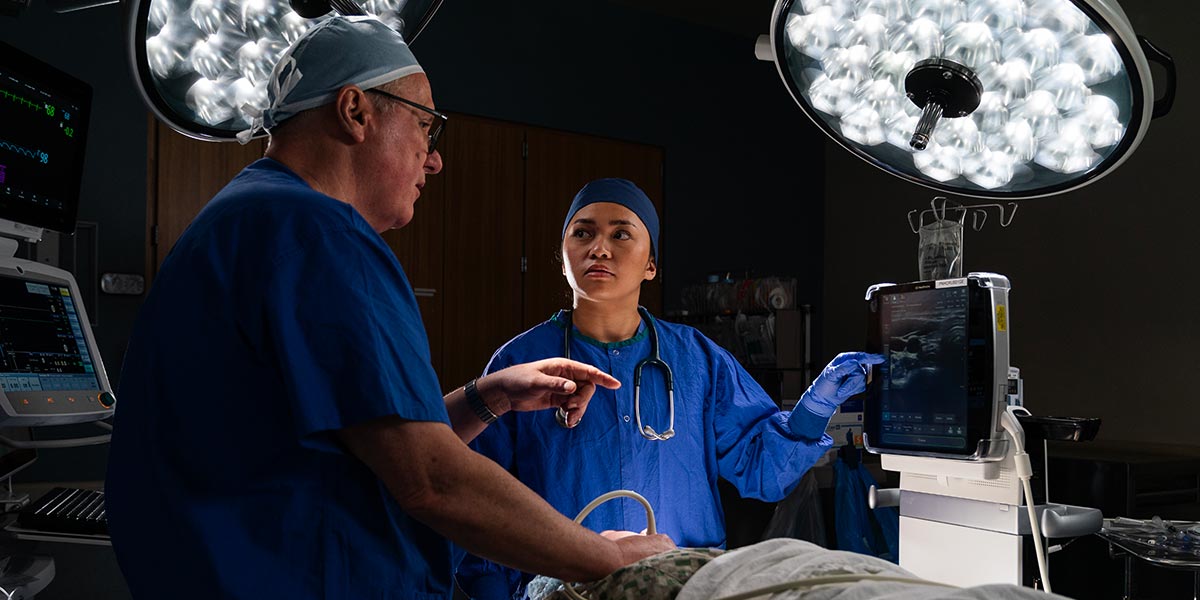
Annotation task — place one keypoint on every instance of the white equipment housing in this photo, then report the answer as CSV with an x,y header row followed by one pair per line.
x,y
964,520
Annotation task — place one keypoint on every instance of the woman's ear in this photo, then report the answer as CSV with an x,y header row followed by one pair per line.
x,y
651,269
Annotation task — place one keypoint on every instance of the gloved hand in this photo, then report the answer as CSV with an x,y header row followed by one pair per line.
x,y
845,376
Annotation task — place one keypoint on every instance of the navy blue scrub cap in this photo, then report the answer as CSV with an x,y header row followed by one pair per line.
x,y
618,191
337,52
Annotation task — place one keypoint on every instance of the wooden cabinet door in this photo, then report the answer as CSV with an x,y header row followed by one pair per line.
x,y
184,175
484,179
559,163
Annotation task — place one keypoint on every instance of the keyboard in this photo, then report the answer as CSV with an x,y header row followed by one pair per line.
x,y
66,510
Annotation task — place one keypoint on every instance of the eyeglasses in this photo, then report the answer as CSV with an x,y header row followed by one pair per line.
x,y
438,125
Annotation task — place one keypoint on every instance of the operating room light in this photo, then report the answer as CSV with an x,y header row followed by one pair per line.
x,y
987,98
202,65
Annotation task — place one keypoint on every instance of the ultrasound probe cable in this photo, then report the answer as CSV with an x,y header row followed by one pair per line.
x,y
650,529
1008,420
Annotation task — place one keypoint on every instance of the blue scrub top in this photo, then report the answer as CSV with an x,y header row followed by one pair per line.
x,y
278,318
726,426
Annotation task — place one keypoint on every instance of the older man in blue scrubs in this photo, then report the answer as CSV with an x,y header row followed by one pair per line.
x,y
282,433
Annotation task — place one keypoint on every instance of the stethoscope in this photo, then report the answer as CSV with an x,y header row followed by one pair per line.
x,y
655,360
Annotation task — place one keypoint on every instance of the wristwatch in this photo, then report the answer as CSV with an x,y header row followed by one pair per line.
x,y
475,401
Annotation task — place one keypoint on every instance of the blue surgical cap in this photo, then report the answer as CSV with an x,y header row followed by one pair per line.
x,y
334,53
618,191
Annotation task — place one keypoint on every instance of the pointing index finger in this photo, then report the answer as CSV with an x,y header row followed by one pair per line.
x,y
603,379
583,372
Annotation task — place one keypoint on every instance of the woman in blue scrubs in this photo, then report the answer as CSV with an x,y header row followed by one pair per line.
x,y
725,424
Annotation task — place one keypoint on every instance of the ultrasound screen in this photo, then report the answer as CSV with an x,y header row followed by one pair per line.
x,y
924,380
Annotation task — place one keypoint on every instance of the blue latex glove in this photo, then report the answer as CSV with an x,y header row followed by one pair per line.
x,y
845,376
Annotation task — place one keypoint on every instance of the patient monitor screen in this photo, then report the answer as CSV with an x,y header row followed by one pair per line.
x,y
43,129
42,345
924,380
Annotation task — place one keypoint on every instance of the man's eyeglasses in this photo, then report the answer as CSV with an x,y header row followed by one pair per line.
x,y
439,123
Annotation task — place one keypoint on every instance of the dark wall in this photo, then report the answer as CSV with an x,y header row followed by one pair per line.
x,y
1103,310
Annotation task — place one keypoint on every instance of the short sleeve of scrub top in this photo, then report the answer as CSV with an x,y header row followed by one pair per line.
x,y
342,323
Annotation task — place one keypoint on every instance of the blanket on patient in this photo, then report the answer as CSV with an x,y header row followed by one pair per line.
x,y
783,560
709,574
659,577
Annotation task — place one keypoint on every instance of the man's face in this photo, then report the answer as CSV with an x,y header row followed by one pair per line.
x,y
606,253
401,160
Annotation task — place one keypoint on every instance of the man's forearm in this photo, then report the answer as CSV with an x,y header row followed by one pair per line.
x,y
471,500
465,423
488,512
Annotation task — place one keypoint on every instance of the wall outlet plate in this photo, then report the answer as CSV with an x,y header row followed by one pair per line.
x,y
125,284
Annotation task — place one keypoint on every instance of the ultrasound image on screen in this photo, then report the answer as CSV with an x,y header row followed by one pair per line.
x,y
924,385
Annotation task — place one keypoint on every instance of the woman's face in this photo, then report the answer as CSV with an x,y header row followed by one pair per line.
x,y
606,253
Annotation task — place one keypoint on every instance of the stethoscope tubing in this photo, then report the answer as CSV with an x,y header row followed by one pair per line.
x,y
655,360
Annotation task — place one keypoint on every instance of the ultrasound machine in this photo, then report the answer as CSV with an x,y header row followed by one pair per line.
x,y
51,373
945,411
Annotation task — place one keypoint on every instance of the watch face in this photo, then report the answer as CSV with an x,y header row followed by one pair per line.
x,y
478,406
930,395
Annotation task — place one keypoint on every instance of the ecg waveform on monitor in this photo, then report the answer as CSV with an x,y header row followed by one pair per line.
x,y
38,155
41,107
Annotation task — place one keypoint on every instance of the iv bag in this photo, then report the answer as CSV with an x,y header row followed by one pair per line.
x,y
940,249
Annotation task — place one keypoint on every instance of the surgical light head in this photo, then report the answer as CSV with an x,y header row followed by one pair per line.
x,y
204,66
890,81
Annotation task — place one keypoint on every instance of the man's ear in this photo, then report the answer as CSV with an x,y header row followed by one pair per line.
x,y
651,269
354,112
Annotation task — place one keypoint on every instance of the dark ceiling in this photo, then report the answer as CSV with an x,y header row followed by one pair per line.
x,y
748,18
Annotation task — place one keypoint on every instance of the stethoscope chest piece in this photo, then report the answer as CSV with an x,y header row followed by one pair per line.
x,y
560,416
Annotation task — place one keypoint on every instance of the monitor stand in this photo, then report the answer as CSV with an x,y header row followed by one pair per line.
x,y
8,247
20,231
966,524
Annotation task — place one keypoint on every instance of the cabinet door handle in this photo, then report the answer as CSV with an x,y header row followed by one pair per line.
x,y
424,292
